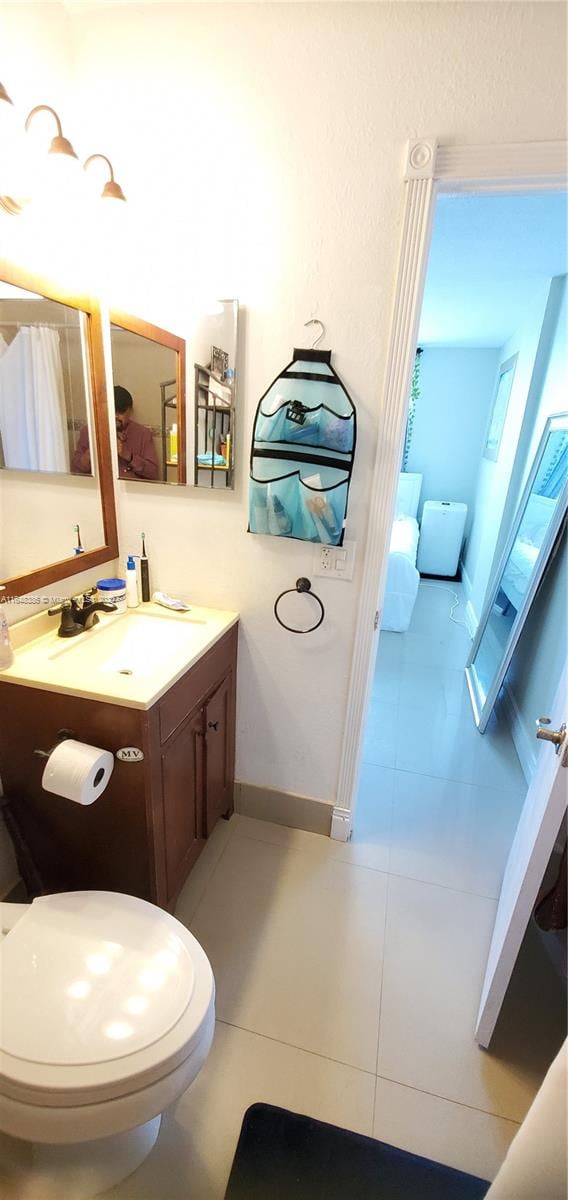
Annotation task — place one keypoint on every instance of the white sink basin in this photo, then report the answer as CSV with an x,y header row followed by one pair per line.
x,y
128,658
134,644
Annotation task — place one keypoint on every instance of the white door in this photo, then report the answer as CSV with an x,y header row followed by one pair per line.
x,y
532,847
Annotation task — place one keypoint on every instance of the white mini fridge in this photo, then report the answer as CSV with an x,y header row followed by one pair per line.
x,y
441,537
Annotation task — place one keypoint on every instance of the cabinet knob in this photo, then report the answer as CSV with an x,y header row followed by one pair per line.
x,y
212,724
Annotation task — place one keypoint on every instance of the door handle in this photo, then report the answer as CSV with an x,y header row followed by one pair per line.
x,y
556,736
212,724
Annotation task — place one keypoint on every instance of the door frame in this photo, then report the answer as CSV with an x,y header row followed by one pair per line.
x,y
429,170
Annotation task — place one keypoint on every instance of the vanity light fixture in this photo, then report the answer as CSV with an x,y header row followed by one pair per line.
x,y
60,152
59,144
112,190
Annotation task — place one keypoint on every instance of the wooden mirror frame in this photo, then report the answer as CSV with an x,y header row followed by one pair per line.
x,y
163,337
31,581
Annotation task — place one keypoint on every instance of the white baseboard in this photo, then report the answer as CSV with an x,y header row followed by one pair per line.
x,y
341,824
521,738
466,581
470,619
470,615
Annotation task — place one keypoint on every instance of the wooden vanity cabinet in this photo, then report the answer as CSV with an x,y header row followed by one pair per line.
x,y
146,831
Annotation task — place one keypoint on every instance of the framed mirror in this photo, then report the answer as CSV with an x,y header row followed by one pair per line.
x,y
215,396
539,519
55,520
148,370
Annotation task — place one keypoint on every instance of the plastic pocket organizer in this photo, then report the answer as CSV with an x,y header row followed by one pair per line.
x,y
302,453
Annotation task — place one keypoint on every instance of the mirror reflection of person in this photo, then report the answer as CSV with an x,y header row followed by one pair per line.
x,y
137,457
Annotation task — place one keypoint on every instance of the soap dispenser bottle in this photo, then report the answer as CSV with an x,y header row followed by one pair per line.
x,y
6,652
132,599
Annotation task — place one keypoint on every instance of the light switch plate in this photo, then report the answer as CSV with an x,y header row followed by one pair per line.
x,y
335,562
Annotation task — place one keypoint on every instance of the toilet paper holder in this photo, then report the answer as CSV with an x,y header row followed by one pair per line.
x,y
62,736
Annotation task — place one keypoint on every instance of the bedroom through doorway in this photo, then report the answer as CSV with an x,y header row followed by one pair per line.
x,y
438,802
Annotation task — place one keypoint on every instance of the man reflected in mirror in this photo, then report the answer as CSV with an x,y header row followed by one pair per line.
x,y
137,457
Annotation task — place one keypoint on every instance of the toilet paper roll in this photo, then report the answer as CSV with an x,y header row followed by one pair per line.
x,y
78,771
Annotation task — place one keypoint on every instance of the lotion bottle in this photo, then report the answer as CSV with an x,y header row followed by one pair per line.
x,y
132,600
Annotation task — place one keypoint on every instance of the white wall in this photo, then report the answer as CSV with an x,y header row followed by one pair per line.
x,y
305,110
456,386
39,517
494,477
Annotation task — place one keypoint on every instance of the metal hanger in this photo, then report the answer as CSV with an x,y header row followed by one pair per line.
x,y
316,321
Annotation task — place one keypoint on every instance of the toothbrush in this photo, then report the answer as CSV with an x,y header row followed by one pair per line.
x,y
144,571
78,549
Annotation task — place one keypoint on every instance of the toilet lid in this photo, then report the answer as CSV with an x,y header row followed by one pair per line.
x,y
88,977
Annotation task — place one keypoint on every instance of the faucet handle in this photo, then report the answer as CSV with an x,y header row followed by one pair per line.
x,y
59,608
83,599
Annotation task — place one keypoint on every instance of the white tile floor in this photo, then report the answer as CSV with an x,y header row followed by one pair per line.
x,y
348,975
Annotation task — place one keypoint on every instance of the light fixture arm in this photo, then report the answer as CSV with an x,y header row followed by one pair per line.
x,y
92,158
44,108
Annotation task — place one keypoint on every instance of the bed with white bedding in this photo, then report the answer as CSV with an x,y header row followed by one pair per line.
x,y
402,575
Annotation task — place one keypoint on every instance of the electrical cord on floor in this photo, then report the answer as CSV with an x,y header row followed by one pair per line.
x,y
443,588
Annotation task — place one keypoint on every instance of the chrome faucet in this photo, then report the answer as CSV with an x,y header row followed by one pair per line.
x,y
79,613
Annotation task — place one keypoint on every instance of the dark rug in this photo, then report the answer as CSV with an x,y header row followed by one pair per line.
x,y
284,1156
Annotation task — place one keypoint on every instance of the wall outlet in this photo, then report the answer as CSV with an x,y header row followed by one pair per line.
x,y
325,561
335,562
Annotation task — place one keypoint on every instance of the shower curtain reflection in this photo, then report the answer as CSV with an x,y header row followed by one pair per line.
x,y
32,402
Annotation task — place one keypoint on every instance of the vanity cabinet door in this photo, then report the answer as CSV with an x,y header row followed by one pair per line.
x,y
182,789
219,753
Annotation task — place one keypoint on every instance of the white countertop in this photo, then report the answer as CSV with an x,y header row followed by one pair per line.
x,y
129,658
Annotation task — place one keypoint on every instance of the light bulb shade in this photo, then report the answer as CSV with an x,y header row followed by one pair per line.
x,y
4,95
62,145
113,191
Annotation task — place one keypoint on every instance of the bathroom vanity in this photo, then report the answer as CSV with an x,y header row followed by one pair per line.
x,y
150,681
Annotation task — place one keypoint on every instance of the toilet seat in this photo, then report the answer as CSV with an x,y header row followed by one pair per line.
x,y
123,995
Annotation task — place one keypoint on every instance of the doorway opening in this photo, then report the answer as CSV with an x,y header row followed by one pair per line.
x,y
439,802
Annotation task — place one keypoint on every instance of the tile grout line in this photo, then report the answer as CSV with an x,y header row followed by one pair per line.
x,y
511,792
339,1062
387,898
482,787
387,890
345,862
211,874
449,1100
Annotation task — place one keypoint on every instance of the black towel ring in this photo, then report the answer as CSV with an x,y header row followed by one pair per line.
x,y
302,585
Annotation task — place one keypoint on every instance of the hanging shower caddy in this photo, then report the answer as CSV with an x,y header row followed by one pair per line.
x,y
302,452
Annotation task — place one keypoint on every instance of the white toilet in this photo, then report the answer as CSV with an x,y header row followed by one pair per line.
x,y
107,1012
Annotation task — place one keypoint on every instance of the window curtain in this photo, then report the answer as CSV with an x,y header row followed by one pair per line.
x,y
414,394
33,424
